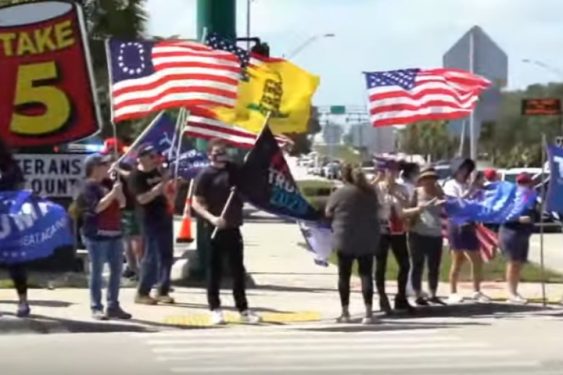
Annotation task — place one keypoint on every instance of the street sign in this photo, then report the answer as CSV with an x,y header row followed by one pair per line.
x,y
337,109
541,107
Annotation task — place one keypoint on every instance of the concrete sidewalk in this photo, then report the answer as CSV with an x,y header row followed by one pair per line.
x,y
285,286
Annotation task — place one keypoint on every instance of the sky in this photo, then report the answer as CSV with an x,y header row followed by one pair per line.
x,y
371,35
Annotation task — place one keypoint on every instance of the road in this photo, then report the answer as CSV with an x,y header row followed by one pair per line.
x,y
526,342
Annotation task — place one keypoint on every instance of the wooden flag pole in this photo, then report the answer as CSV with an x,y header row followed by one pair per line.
x,y
542,208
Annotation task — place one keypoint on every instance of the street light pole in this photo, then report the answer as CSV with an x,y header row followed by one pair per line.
x,y
306,44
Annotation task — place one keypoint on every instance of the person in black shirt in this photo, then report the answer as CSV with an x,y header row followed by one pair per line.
x,y
213,187
148,182
11,178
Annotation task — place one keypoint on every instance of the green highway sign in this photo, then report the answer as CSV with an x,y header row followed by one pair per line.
x,y
337,109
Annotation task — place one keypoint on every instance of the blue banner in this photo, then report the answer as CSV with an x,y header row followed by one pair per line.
x,y
497,203
554,202
31,228
267,183
318,237
161,133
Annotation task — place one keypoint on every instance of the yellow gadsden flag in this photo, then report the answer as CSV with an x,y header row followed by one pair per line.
x,y
276,86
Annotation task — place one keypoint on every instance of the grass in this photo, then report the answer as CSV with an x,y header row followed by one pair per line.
x,y
340,152
492,271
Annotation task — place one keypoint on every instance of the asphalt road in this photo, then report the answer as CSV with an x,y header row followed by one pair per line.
x,y
504,343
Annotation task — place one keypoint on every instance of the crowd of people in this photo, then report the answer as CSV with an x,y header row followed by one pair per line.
x,y
126,212
403,212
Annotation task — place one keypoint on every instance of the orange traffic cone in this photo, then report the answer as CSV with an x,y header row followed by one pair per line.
x,y
185,235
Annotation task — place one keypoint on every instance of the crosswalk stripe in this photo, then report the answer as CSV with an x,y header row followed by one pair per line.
x,y
352,367
450,354
321,348
297,340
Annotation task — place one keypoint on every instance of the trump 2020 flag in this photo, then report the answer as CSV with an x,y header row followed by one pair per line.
x,y
554,200
31,228
267,183
498,203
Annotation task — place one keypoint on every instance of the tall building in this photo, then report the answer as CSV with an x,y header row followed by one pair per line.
x,y
477,52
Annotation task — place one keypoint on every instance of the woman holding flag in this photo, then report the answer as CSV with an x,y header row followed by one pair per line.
x,y
514,239
11,179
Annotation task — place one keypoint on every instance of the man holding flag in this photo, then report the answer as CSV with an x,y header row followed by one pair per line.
x,y
216,202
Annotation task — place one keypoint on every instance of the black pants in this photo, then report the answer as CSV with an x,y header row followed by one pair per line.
x,y
398,244
425,248
227,244
18,274
365,269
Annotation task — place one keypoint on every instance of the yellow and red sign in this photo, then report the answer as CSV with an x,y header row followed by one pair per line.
x,y
47,92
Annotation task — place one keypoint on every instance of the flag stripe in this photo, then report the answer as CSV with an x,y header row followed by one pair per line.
x,y
402,97
184,74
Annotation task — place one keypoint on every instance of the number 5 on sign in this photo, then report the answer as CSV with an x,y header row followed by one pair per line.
x,y
32,88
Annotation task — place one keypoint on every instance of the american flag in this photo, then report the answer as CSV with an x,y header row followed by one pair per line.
x,y
400,97
207,128
488,240
150,76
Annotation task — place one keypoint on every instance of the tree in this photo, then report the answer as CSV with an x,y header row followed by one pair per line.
x,y
428,138
303,141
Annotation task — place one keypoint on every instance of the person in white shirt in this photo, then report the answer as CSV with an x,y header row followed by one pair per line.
x,y
463,239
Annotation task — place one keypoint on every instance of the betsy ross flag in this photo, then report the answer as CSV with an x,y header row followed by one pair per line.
x,y
149,76
400,97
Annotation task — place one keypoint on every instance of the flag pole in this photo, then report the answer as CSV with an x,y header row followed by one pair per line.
x,y
233,188
180,124
542,208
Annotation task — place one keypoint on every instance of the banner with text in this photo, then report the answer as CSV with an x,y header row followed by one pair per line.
x,y
52,176
47,95
31,228
267,183
554,202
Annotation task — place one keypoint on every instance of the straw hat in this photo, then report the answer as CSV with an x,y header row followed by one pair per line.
x,y
428,172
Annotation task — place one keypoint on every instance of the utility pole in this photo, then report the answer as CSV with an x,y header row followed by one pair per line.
x,y
213,16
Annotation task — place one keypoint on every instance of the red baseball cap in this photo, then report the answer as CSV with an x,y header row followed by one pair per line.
x,y
490,174
524,178
112,144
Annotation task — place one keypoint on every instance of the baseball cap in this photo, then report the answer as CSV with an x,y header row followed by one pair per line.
x,y
490,174
146,149
523,178
111,145
95,160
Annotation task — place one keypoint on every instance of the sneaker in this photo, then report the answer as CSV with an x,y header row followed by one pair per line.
x,y
402,304
384,304
23,310
250,317
420,301
118,313
368,320
165,299
344,319
99,315
480,297
129,273
436,301
454,298
145,300
517,299
217,317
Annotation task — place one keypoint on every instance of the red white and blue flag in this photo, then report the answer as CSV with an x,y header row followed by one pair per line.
x,y
149,76
401,97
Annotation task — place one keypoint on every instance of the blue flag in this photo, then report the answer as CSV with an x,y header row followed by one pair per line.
x,y
554,200
318,237
161,133
497,203
31,228
267,183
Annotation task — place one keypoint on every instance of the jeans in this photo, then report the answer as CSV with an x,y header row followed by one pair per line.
x,y
427,248
365,269
158,257
101,252
18,274
227,244
398,244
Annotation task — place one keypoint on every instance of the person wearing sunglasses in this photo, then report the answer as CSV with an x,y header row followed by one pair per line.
x,y
149,182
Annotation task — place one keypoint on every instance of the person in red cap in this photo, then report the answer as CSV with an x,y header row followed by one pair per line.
x,y
514,241
491,175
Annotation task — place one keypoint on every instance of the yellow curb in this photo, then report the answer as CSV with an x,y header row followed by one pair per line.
x,y
202,320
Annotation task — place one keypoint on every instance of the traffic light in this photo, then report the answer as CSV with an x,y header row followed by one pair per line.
x,y
261,49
